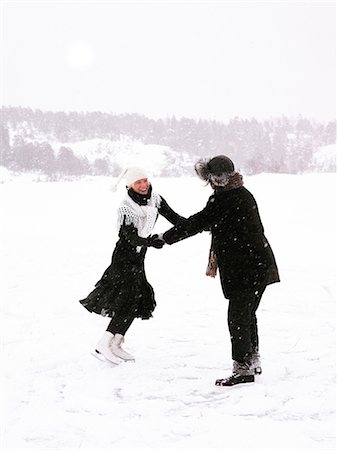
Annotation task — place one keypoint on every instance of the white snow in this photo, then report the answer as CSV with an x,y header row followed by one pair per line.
x,y
128,152
57,239
324,158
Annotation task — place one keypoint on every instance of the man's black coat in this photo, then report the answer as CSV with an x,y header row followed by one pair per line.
x,y
245,258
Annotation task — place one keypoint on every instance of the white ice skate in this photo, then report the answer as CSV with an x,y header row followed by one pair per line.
x,y
117,350
103,349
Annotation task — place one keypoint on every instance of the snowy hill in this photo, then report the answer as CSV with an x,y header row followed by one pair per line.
x,y
125,152
324,159
107,142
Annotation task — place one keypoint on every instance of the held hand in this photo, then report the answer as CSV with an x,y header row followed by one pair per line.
x,y
155,241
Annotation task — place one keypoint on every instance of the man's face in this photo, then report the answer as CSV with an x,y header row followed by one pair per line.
x,y
141,186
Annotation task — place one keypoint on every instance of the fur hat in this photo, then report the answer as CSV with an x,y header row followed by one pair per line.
x,y
131,174
215,170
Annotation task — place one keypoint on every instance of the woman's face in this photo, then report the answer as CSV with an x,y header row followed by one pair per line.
x,y
141,186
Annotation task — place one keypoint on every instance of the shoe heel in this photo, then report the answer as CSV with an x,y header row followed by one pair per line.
x,y
247,378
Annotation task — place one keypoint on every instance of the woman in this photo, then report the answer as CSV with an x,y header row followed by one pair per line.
x,y
123,293
244,257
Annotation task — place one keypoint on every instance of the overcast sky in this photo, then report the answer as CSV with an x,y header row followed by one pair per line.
x,y
193,59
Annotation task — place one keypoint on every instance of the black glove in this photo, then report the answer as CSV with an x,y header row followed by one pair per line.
x,y
154,241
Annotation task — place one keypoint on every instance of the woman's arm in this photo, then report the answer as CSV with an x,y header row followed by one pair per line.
x,y
166,211
130,234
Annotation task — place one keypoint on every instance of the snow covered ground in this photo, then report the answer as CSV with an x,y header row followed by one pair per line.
x,y
57,239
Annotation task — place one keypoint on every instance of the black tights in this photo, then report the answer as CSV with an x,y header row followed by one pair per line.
x,y
120,323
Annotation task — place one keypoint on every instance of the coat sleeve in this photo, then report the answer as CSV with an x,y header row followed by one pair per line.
x,y
201,221
130,234
166,211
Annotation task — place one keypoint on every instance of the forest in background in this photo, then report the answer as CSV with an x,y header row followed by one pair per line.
x,y
277,145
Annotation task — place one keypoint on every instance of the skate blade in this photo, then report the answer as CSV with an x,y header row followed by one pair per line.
x,y
132,360
102,358
129,360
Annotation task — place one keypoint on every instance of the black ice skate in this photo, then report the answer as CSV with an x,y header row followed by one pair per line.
x,y
255,362
242,373
235,379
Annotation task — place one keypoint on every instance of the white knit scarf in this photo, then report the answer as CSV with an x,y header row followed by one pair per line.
x,y
142,217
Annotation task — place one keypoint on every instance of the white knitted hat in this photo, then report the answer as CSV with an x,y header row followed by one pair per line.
x,y
131,174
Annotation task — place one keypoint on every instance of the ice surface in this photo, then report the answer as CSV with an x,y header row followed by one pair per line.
x,y
57,239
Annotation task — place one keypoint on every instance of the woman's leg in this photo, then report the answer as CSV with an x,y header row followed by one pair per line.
x,y
120,323
118,326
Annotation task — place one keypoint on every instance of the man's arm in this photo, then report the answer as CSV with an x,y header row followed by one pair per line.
x,y
196,223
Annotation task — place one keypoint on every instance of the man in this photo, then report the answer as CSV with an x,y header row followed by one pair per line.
x,y
244,257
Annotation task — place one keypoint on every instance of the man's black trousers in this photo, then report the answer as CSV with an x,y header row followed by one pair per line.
x,y
242,322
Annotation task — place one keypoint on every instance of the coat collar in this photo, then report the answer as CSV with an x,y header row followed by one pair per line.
x,y
139,198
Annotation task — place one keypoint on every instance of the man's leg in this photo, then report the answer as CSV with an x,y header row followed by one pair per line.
x,y
253,328
255,355
239,324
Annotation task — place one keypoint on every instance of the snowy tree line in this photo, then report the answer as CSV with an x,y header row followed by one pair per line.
x,y
279,145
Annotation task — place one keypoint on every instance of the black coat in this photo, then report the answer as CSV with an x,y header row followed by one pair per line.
x,y
245,258
123,287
